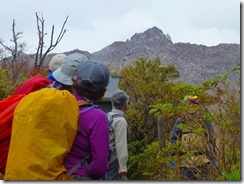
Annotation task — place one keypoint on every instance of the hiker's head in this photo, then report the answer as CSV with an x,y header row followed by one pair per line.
x,y
92,80
193,103
191,99
120,100
69,68
56,61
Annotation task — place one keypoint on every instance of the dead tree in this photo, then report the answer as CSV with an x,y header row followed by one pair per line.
x,y
40,53
15,51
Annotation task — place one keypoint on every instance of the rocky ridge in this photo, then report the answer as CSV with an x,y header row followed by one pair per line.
x,y
196,63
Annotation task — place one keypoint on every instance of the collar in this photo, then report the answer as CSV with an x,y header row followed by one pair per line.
x,y
79,97
117,111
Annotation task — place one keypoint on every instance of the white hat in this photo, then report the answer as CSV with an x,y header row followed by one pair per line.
x,y
69,68
56,61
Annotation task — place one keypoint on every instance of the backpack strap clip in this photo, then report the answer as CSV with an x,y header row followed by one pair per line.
x,y
83,161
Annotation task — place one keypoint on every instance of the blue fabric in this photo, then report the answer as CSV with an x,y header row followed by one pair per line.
x,y
172,164
215,164
188,173
50,76
199,173
113,173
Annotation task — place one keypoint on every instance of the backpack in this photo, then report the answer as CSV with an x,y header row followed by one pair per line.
x,y
32,84
43,130
7,107
193,145
112,148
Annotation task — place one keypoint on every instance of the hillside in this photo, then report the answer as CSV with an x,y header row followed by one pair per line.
x,y
196,63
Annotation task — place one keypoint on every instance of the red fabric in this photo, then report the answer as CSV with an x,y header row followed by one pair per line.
x,y
33,84
7,107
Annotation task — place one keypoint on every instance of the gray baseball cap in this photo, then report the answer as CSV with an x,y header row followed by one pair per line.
x,y
93,74
69,68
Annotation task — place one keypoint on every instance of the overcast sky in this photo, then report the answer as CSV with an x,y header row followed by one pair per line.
x,y
95,24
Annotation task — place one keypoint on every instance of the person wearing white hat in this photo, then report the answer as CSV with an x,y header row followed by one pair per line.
x,y
64,74
56,61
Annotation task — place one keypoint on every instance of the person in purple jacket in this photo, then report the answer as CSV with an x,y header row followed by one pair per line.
x,y
88,158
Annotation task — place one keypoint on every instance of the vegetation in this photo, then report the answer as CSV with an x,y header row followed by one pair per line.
x,y
146,82
153,92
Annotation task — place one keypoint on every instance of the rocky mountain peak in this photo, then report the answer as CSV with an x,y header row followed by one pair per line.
x,y
153,34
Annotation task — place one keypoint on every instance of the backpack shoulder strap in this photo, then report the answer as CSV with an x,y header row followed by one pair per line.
x,y
117,115
83,103
88,105
111,117
83,161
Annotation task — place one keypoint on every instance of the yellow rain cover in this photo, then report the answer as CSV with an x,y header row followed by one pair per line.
x,y
44,128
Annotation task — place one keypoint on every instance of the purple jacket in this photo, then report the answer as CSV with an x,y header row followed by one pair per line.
x,y
93,139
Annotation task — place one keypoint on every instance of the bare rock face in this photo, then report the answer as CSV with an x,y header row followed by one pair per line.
x,y
146,44
151,36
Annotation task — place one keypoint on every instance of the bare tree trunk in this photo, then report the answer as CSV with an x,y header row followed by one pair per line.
x,y
161,132
40,57
162,137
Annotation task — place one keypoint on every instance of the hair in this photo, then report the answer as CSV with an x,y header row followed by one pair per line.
x,y
118,99
67,87
92,93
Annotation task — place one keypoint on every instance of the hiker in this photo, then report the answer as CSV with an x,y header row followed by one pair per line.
x,y
7,107
88,158
118,137
62,81
197,148
63,75
56,61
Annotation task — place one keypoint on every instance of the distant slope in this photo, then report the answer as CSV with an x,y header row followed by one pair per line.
x,y
196,63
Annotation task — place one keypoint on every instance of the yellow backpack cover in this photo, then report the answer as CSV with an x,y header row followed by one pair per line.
x,y
44,127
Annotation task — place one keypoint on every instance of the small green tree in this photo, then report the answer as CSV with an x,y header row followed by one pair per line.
x,y
147,82
225,113
220,103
